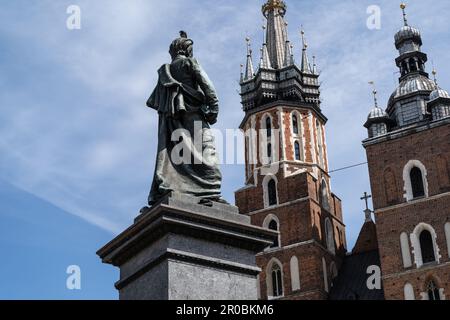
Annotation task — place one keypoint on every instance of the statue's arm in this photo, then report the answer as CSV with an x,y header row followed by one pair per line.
x,y
207,87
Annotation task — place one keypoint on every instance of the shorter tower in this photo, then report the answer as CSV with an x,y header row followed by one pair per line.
x,y
408,152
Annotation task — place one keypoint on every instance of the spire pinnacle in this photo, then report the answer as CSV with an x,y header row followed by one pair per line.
x,y
306,68
249,70
288,59
434,76
276,32
314,71
405,20
374,92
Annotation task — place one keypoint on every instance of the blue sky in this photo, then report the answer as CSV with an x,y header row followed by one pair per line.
x,y
77,143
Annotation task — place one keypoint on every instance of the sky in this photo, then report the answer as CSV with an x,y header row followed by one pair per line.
x,y
77,144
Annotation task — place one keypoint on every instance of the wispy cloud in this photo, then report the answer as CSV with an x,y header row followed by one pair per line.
x,y
74,127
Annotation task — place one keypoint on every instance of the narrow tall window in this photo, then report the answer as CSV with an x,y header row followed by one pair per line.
x,y
416,177
433,292
273,225
295,124
272,192
319,142
427,247
277,284
269,152
298,155
324,196
329,236
269,127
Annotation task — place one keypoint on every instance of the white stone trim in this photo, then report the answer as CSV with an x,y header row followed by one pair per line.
x,y
300,137
283,137
408,204
325,275
295,274
406,250
407,179
263,136
312,141
408,291
447,236
415,242
329,236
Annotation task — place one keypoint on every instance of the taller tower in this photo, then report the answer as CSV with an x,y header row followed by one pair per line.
x,y
408,152
287,182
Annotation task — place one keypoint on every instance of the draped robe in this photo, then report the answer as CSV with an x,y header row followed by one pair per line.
x,y
187,103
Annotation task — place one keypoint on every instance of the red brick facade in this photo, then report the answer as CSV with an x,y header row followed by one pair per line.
x,y
396,213
302,208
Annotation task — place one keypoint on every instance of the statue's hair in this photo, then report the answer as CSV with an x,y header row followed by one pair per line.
x,y
181,46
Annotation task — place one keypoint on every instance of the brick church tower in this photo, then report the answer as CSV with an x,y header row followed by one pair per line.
x,y
287,182
408,152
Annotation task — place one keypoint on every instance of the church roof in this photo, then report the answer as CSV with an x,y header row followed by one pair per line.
x,y
439,93
351,283
367,239
407,33
412,84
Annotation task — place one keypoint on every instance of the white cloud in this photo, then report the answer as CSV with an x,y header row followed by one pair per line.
x,y
77,132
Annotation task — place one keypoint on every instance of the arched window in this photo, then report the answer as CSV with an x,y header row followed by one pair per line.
x,y
269,127
277,281
416,177
427,247
273,225
298,155
415,180
329,236
295,124
424,244
433,291
272,192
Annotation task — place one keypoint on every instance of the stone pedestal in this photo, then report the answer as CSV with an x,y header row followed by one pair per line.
x,y
181,250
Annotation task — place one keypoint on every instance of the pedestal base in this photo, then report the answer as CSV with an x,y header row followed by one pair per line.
x,y
180,250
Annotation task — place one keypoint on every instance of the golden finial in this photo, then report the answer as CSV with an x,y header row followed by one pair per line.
x,y
403,7
273,5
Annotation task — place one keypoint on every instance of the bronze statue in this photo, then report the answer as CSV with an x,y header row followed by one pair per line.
x,y
187,105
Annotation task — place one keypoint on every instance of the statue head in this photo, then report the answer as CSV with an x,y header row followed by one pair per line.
x,y
182,46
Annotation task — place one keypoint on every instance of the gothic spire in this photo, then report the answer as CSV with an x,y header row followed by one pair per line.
x,y
314,70
249,70
306,68
265,59
289,56
276,33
